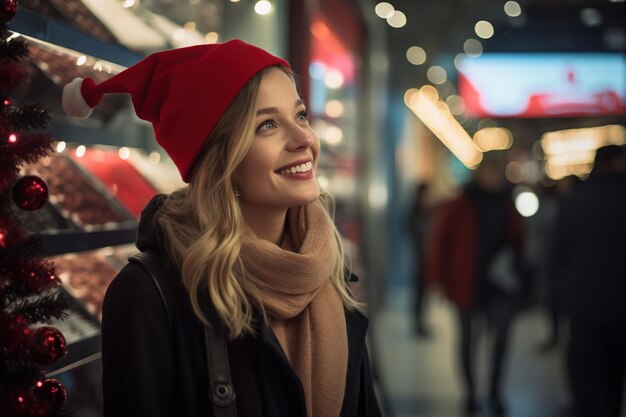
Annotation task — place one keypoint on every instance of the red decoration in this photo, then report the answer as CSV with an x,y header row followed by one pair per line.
x,y
8,9
47,345
30,192
50,394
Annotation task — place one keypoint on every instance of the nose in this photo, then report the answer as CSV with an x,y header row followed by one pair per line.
x,y
301,137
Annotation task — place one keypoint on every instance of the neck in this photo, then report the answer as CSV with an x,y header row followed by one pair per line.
x,y
267,224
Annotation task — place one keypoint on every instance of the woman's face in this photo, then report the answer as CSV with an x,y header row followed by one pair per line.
x,y
278,171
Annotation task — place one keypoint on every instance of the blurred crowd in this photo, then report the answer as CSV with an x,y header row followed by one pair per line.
x,y
567,261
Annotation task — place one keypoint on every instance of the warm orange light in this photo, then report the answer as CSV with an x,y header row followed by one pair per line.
x,y
493,138
321,31
436,115
572,151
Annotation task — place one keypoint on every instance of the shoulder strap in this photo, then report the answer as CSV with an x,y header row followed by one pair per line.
x,y
221,391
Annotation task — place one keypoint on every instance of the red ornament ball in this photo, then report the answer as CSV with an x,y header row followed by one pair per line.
x,y
50,394
8,9
30,192
47,345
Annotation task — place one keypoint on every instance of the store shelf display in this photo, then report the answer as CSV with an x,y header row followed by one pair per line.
x,y
112,168
46,219
77,197
87,275
160,171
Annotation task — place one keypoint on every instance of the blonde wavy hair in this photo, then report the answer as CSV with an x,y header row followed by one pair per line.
x,y
203,223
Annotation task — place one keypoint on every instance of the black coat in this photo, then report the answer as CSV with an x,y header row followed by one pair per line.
x,y
147,372
589,250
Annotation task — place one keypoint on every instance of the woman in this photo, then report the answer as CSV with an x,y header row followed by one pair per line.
x,y
248,238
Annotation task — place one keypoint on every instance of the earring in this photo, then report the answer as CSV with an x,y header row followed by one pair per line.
x,y
237,192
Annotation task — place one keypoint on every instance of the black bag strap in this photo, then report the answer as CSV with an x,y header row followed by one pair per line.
x,y
221,390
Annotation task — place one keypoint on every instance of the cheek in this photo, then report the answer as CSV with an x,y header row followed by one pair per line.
x,y
256,165
316,147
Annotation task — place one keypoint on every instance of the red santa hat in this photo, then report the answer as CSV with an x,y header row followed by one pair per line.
x,y
182,92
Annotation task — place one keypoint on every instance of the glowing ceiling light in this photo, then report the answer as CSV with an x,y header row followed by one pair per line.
x,y
493,138
512,8
456,104
473,48
428,93
384,10
333,79
124,152
80,151
436,74
263,7
211,37
514,172
397,19
317,70
334,108
409,96
527,203
154,158
61,146
81,60
483,29
333,135
457,61
416,55
572,151
436,116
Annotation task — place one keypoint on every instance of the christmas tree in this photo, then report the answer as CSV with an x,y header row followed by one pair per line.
x,y
30,295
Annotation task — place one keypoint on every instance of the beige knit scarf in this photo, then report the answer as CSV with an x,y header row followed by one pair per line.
x,y
305,309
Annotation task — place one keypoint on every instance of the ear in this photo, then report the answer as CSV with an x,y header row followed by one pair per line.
x,y
236,185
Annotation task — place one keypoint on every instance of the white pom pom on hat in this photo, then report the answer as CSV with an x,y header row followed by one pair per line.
x,y
73,102
183,92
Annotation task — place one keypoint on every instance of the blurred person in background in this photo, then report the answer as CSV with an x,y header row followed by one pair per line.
x,y
589,252
549,281
420,219
473,255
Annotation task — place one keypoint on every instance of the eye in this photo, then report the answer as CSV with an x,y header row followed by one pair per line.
x,y
266,125
303,116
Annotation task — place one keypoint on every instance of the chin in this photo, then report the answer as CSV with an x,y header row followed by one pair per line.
x,y
307,198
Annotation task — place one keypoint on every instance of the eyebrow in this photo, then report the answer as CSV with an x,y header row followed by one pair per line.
x,y
273,110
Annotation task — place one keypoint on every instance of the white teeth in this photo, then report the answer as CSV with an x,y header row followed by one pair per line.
x,y
297,169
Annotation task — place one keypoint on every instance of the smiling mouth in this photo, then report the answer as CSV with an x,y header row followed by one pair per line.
x,y
301,168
